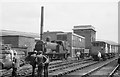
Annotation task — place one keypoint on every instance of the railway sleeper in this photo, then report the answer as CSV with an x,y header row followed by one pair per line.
x,y
73,70
79,63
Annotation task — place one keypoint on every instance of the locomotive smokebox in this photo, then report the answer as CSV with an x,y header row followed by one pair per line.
x,y
39,46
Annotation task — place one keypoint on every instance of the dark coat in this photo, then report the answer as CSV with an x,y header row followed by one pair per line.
x,y
31,59
119,60
16,62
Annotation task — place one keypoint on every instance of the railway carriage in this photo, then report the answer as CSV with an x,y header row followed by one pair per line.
x,y
104,48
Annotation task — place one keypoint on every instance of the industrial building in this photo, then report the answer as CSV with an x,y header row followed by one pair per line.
x,y
86,31
18,39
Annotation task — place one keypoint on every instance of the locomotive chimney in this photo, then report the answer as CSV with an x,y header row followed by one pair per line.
x,y
41,28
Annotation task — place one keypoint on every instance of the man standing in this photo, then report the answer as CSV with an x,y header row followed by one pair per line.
x,y
15,64
78,55
46,64
42,60
43,63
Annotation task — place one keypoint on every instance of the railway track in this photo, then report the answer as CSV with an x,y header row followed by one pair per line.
x,y
57,70
91,70
23,66
4,71
27,69
116,71
108,70
57,67
113,71
65,68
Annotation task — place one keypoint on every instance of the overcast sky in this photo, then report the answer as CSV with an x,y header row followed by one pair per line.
x,y
61,15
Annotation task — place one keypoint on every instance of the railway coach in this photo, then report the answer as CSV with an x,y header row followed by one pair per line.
x,y
106,49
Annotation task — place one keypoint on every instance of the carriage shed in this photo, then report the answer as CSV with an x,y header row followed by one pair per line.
x,y
18,39
76,43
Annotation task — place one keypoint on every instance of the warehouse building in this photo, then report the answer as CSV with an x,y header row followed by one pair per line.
x,y
19,39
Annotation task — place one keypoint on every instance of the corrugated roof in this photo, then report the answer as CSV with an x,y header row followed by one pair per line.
x,y
109,42
27,34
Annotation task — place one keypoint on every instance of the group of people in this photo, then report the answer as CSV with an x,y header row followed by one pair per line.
x,y
37,59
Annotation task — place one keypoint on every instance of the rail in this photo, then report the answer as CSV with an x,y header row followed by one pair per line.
x,y
113,71
95,69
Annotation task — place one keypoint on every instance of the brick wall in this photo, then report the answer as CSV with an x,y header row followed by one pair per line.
x,y
10,40
27,42
88,34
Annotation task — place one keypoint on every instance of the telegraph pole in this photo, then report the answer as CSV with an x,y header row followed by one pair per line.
x,y
41,28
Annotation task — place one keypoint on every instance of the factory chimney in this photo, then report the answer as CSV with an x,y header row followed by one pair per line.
x,y
41,27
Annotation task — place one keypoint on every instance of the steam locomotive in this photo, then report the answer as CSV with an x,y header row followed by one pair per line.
x,y
57,49
54,50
